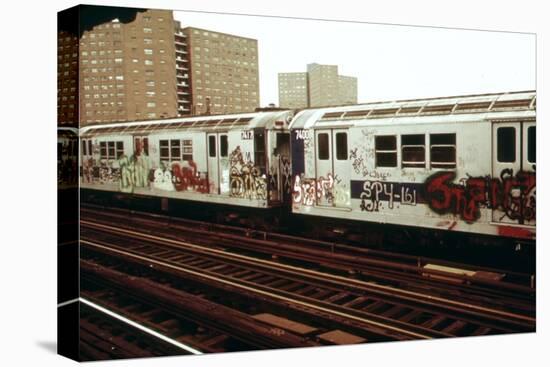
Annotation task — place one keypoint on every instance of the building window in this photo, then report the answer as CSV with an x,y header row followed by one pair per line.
x,y
413,150
385,151
148,51
147,30
323,147
443,150
506,144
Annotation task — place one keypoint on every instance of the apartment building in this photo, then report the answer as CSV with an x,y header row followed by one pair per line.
x,y
223,72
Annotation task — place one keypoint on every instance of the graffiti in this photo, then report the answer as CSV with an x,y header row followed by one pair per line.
x,y
88,169
162,180
286,174
307,191
360,167
108,173
514,195
187,178
127,169
246,180
374,192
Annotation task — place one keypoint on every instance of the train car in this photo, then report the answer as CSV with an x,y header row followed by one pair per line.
x,y
242,160
67,158
458,164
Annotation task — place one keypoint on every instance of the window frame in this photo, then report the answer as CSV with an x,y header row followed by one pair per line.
x,y
212,151
412,164
531,143
443,165
343,149
324,157
500,148
111,150
385,151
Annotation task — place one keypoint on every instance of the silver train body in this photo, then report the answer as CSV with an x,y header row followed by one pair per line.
x,y
462,164
241,160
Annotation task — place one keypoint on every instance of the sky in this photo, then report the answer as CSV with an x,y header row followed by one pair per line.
x,y
391,62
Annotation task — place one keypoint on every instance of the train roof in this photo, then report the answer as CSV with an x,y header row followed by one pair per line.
x,y
67,132
211,123
443,109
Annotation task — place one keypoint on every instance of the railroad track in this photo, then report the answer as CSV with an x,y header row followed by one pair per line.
x,y
203,326
387,313
105,335
512,291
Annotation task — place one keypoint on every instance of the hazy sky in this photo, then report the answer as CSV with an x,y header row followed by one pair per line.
x,y
390,62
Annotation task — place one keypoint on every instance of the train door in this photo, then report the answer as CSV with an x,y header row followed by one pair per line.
x,y
279,167
514,145
212,161
323,167
224,165
341,171
141,161
87,161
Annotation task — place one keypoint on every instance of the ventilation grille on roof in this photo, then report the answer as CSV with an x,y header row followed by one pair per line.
x,y
384,111
516,103
332,115
438,109
361,113
407,110
473,106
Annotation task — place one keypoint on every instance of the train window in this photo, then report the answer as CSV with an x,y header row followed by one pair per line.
x,y
259,150
119,149
531,144
103,150
164,151
175,149
110,149
223,146
322,146
341,146
59,151
145,145
84,152
443,150
211,146
187,150
386,151
506,144
413,150
90,151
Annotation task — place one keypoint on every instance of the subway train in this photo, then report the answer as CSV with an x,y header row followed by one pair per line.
x,y
462,165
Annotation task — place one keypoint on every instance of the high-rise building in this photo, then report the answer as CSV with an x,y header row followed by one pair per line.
x,y
182,71
67,78
319,86
293,90
125,64
128,70
223,72
347,89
